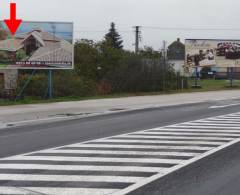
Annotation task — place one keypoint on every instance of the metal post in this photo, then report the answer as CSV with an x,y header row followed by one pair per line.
x,y
50,84
231,77
196,77
25,85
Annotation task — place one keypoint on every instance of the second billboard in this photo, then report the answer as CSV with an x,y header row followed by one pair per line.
x,y
212,53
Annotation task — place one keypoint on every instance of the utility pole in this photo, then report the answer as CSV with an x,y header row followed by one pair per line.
x,y
164,53
137,38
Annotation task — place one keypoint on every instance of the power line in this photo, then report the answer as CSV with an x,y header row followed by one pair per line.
x,y
190,28
100,31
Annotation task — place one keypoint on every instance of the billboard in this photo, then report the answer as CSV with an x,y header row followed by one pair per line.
x,y
37,45
212,53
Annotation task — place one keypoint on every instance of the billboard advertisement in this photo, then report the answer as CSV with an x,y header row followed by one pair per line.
x,y
37,45
212,53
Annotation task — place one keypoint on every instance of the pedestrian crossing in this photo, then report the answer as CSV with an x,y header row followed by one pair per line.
x,y
119,164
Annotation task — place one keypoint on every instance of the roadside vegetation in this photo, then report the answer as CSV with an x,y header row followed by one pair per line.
x,y
106,70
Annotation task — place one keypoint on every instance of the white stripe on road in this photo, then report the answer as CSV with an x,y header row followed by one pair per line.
x,y
116,152
14,191
94,159
201,127
200,122
223,119
158,142
229,117
211,124
177,137
69,178
72,191
195,134
223,106
192,130
119,146
82,168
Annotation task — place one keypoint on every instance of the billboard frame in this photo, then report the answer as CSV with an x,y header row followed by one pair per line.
x,y
47,68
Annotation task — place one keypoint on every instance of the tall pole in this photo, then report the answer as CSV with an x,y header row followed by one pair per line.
x,y
50,84
164,53
137,38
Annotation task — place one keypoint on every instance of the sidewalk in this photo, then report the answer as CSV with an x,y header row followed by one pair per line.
x,y
56,111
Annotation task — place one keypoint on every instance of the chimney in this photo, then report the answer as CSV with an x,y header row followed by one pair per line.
x,y
178,39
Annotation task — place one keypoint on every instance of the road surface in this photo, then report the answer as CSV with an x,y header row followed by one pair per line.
x,y
184,149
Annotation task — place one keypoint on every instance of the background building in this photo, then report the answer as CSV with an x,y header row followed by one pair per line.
x,y
176,55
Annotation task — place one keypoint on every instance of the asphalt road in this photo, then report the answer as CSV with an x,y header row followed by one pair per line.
x,y
217,174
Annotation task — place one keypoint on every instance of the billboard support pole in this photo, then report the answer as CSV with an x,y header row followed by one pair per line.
x,y
196,78
231,77
50,84
25,85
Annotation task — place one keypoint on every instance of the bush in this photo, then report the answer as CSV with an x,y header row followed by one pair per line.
x,y
65,83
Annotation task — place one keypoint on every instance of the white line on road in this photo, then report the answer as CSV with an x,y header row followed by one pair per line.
x,y
211,124
193,130
202,127
117,152
27,166
69,178
195,134
107,144
177,137
95,159
71,191
14,191
223,106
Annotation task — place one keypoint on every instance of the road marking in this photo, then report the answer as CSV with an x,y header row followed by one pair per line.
x,y
192,130
157,152
198,134
14,191
69,178
217,122
212,124
177,138
81,168
107,144
224,106
72,191
202,127
119,152
92,159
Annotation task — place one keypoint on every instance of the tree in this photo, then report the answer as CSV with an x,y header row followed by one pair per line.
x,y
149,52
86,59
113,39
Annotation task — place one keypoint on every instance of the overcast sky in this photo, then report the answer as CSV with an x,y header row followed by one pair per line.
x,y
92,17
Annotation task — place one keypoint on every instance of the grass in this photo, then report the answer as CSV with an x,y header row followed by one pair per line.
x,y
207,85
3,65
214,85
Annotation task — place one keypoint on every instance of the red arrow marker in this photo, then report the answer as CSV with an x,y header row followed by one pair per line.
x,y
13,23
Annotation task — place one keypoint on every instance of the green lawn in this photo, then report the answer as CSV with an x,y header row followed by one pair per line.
x,y
212,85
207,85
3,65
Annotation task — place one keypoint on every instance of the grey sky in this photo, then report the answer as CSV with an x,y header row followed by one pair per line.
x,y
96,15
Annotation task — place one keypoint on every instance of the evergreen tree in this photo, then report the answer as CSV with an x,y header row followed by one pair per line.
x,y
113,39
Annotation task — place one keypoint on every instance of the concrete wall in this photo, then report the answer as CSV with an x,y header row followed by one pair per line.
x,y
10,78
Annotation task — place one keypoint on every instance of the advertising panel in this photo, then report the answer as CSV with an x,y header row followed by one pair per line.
x,y
212,53
37,45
